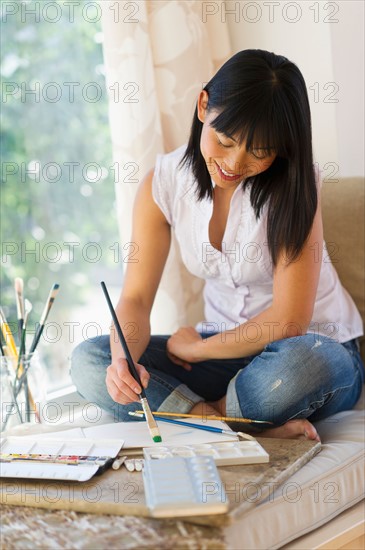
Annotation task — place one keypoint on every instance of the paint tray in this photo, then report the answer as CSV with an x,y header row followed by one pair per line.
x,y
227,453
57,459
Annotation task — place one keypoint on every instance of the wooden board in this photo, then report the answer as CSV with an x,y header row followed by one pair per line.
x,y
121,492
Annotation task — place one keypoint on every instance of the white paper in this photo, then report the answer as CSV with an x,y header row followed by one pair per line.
x,y
73,433
136,434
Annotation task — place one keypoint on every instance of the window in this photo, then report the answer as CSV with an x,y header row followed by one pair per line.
x,y
58,220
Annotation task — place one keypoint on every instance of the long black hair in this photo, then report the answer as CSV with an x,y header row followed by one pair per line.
x,y
261,98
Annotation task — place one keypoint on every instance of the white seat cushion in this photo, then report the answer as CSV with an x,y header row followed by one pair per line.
x,y
331,482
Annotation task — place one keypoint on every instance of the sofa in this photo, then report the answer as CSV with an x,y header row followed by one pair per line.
x,y
325,507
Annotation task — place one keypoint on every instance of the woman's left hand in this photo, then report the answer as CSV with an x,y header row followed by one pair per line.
x,y
182,347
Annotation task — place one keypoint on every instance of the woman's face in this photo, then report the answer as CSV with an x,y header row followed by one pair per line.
x,y
227,161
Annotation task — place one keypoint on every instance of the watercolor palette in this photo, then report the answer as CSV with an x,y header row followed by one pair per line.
x,y
179,486
227,453
76,460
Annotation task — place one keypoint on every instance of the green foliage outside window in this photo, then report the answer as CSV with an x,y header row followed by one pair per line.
x,y
58,221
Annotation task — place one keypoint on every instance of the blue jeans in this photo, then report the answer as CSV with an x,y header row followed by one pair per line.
x,y
308,376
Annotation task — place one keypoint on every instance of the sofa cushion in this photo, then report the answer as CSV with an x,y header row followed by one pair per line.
x,y
331,482
344,230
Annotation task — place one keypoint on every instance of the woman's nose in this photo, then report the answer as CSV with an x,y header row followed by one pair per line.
x,y
237,163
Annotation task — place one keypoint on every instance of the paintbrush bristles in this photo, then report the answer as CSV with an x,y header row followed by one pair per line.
x,y
44,316
19,288
27,309
151,422
50,300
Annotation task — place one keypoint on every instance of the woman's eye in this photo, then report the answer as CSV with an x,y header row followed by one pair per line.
x,y
223,145
260,154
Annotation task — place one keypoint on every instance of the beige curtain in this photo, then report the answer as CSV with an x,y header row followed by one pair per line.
x,y
158,55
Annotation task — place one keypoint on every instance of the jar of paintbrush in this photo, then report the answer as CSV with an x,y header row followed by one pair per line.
x,y
22,389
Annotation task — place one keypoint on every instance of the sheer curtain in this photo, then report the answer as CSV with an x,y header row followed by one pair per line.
x,y
158,55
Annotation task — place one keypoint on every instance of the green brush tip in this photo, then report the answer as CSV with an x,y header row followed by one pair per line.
x,y
157,439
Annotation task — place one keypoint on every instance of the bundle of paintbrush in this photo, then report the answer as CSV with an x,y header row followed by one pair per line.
x,y
20,357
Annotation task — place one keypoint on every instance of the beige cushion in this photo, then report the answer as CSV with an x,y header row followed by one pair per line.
x,y
344,229
330,483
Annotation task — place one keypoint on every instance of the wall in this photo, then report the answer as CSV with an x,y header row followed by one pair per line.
x,y
324,39
348,48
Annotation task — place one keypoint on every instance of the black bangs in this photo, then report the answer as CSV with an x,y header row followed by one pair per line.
x,y
256,132
262,126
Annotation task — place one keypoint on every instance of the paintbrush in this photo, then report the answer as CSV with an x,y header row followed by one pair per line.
x,y
47,308
1,346
18,367
22,353
19,286
188,424
28,308
14,402
209,417
152,426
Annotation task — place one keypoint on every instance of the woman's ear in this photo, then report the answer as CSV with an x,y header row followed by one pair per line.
x,y
202,105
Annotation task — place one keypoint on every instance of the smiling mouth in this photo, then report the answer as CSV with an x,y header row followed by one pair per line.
x,y
227,175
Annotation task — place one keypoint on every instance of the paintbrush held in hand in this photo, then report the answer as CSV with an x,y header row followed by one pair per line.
x,y
151,422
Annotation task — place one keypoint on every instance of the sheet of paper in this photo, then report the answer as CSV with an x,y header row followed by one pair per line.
x,y
136,434
73,433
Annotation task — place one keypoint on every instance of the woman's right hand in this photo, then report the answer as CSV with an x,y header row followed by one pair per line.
x,y
121,385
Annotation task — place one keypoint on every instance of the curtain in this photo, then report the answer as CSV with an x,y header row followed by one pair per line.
x,y
157,55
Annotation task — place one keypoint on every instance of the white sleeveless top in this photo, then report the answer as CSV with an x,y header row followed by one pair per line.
x,y
239,280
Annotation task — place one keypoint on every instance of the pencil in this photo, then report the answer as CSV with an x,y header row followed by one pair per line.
x,y
8,337
191,425
152,426
209,417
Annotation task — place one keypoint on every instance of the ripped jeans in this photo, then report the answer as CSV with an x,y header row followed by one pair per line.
x,y
310,376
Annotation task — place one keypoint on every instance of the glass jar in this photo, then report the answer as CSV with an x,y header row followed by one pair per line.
x,y
22,390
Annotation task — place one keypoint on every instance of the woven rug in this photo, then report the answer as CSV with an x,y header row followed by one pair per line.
x,y
24,528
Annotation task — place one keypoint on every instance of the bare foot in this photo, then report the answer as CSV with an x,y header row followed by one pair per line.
x,y
293,429
204,409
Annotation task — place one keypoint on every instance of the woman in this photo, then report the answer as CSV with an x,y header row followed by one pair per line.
x,y
279,340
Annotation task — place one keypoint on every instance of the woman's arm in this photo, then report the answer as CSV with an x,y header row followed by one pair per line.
x,y
151,235
294,291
